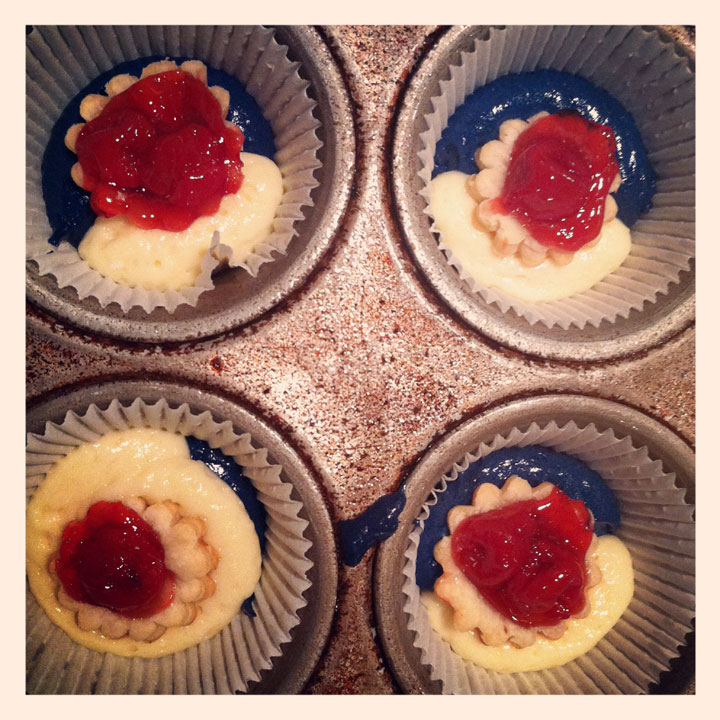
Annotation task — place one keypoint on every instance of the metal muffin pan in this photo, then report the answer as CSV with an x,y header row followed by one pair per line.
x,y
361,370
658,321
290,671
238,298
397,639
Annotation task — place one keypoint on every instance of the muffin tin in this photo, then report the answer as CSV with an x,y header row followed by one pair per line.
x,y
366,376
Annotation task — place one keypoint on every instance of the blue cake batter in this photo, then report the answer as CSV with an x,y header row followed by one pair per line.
x,y
68,206
371,527
230,472
522,95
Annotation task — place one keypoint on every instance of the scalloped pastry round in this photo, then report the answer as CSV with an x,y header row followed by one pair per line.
x,y
477,632
508,235
470,609
608,601
187,556
472,249
163,260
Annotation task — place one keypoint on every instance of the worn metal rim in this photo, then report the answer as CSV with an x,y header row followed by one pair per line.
x,y
292,669
238,298
669,315
396,638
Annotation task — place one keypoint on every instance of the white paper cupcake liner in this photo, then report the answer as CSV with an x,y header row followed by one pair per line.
x,y
239,653
641,70
658,529
62,61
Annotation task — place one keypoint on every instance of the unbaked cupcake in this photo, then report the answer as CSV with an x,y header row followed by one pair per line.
x,y
258,90
635,505
477,143
213,546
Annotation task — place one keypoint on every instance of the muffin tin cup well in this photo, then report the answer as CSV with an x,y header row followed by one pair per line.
x,y
594,431
624,320
238,297
276,650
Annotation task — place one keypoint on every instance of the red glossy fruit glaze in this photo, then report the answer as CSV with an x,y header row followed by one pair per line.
x,y
558,178
114,559
528,559
160,153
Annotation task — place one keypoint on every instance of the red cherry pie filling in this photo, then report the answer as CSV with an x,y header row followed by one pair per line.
x,y
159,152
543,188
134,568
114,559
527,559
517,563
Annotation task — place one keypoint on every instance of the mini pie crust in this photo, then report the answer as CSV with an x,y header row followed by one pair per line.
x,y
238,233
187,555
470,610
508,235
92,105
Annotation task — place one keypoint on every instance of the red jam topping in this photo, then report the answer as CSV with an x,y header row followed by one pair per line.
x,y
528,559
160,153
560,171
114,559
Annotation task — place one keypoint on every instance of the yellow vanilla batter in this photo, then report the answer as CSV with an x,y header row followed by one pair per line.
x,y
163,260
452,208
155,465
608,601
